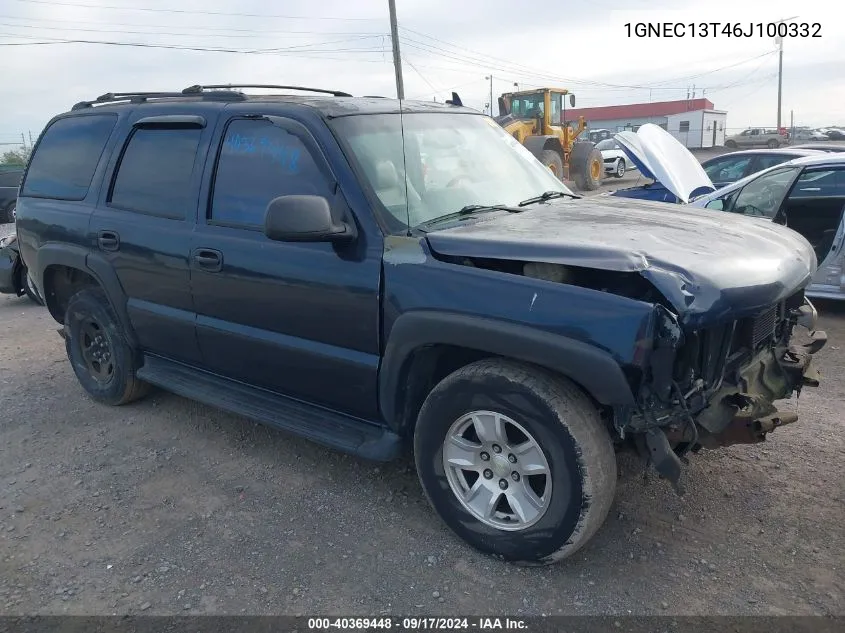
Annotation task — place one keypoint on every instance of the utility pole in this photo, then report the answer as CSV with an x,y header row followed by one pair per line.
x,y
792,125
397,59
780,75
491,93
30,139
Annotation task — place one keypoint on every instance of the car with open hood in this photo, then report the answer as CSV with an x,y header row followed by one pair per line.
x,y
677,176
807,195
289,258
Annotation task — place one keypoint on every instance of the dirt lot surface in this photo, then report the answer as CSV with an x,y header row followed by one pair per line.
x,y
167,506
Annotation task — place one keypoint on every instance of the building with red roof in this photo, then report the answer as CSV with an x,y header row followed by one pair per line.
x,y
694,122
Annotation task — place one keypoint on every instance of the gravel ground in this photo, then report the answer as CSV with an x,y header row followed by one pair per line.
x,y
167,506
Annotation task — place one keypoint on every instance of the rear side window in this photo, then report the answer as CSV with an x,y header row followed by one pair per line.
x,y
155,174
259,162
67,156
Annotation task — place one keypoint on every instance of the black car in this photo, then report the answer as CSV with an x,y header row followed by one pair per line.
x,y
14,277
726,169
284,257
10,178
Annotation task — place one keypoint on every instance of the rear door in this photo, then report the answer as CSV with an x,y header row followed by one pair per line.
x,y
143,223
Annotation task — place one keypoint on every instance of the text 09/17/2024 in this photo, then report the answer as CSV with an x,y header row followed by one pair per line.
x,y
722,29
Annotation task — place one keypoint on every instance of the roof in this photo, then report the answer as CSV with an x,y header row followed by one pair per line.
x,y
640,110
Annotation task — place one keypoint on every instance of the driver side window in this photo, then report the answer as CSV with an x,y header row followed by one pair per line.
x,y
763,196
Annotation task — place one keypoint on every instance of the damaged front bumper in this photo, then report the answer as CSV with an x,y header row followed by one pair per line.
x,y
735,403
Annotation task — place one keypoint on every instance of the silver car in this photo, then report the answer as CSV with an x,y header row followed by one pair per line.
x,y
806,194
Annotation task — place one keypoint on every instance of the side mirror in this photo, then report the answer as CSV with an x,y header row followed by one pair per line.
x,y
717,205
571,99
304,219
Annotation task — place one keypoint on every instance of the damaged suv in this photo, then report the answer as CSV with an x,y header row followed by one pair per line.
x,y
285,258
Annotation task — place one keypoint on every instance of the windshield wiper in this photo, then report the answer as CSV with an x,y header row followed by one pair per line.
x,y
469,210
548,195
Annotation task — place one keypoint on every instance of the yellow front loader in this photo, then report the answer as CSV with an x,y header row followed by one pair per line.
x,y
537,119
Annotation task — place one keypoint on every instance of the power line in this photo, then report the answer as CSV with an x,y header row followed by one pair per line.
x,y
184,26
479,59
194,12
170,33
351,39
259,51
430,85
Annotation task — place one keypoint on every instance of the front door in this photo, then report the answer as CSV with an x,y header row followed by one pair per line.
x,y
143,223
300,319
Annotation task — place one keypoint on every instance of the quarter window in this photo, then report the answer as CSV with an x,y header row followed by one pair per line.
x,y
67,156
258,162
155,175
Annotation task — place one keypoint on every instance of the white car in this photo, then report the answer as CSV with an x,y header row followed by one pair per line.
x,y
615,160
806,194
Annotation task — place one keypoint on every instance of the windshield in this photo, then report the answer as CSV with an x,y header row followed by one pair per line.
x,y
607,144
452,161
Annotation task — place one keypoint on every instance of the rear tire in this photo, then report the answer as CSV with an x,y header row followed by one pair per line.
x,y
586,166
730,144
552,160
102,360
572,443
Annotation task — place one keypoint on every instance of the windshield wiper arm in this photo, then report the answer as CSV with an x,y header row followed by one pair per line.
x,y
548,195
469,210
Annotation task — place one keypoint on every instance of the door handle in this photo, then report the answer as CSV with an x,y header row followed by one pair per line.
x,y
108,240
208,259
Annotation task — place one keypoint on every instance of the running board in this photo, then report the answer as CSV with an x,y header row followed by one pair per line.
x,y
326,427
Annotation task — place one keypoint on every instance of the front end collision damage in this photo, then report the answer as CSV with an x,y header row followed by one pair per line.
x,y
699,381
717,387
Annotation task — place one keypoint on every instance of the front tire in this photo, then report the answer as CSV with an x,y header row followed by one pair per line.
x,y
773,144
102,360
620,168
515,460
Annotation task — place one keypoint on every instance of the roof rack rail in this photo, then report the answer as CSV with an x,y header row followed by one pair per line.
x,y
140,97
200,88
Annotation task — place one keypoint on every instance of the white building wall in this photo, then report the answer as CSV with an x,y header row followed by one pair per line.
x,y
687,127
713,133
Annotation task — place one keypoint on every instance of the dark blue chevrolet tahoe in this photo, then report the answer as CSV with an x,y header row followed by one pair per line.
x,y
379,279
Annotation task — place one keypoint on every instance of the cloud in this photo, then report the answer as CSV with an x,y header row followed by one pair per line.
x,y
581,45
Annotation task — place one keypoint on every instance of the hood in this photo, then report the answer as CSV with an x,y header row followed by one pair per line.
x,y
709,266
661,157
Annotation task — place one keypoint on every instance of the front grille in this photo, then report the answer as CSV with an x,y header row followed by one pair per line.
x,y
763,326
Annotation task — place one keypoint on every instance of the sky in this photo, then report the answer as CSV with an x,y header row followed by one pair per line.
x,y
581,45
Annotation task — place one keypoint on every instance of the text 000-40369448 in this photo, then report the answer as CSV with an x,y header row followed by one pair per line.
x,y
722,29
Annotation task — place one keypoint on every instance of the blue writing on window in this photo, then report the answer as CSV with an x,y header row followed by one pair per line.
x,y
285,155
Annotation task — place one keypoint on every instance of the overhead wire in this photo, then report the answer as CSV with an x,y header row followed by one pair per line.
x,y
195,11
